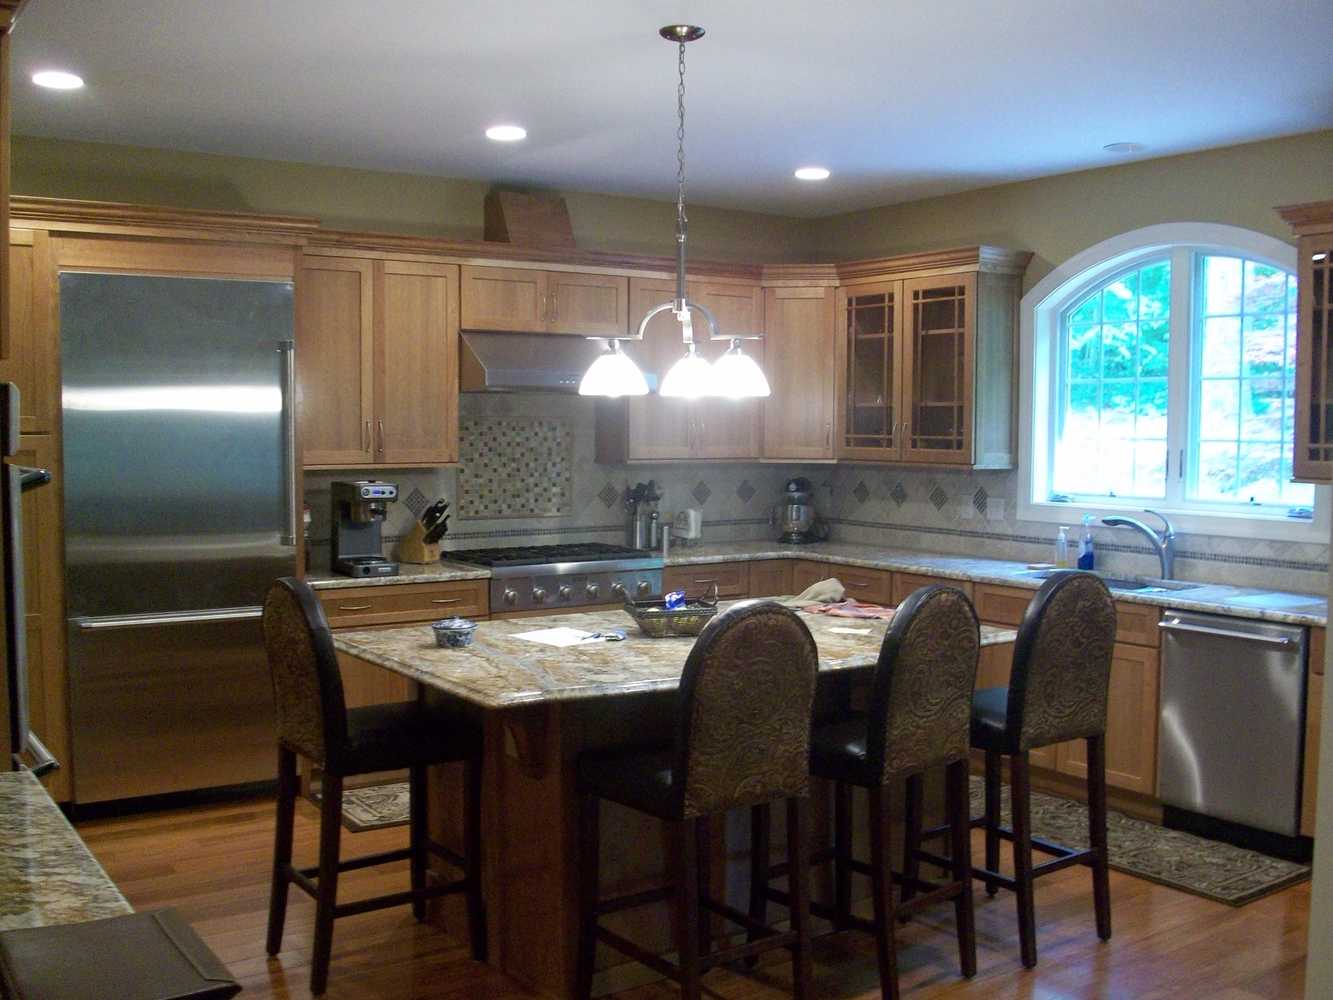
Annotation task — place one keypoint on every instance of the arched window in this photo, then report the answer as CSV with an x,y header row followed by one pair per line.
x,y
1163,375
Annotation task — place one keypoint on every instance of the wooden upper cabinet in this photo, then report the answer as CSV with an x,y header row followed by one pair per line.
x,y
925,368
536,301
416,362
377,362
1313,223
335,345
728,428
30,346
799,360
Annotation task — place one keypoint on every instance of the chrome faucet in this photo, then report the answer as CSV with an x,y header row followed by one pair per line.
x,y
1163,542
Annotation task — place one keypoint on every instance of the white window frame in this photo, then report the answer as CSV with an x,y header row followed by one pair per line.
x,y
1039,352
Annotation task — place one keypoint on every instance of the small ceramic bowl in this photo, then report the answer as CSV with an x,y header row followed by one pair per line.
x,y
454,633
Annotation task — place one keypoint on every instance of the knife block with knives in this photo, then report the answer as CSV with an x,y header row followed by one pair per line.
x,y
421,545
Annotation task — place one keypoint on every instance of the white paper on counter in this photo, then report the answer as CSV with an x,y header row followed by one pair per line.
x,y
562,636
851,631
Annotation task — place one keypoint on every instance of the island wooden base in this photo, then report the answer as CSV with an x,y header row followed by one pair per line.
x,y
530,839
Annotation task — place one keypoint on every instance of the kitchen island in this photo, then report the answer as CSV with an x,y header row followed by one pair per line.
x,y
540,707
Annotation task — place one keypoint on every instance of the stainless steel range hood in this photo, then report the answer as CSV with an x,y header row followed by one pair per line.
x,y
495,362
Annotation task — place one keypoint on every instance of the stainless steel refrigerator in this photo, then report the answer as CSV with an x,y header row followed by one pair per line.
x,y
180,509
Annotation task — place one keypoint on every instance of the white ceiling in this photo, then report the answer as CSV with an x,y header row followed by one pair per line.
x,y
900,99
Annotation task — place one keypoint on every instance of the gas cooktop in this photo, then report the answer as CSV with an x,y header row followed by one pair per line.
x,y
541,555
571,575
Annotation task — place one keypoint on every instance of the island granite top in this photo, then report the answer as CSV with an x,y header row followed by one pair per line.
x,y
47,874
501,671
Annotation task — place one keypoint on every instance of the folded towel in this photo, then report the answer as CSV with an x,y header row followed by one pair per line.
x,y
824,592
851,608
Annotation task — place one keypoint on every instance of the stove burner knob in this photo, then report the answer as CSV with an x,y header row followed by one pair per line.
x,y
539,595
564,593
592,590
510,596
618,589
644,587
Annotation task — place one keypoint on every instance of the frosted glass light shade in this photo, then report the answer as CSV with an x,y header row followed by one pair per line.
x,y
613,374
736,375
689,378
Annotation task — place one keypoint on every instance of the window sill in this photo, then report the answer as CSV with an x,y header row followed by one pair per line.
x,y
1190,522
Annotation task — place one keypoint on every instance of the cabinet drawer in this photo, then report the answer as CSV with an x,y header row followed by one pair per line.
x,y
404,603
905,583
1001,605
1137,624
732,579
874,586
770,579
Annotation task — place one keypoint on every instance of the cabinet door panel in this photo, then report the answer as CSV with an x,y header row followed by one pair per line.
x,y
1314,360
807,572
1314,709
588,304
937,374
771,579
729,428
335,361
874,586
731,579
417,362
1001,605
658,428
503,298
1131,724
30,344
904,584
869,350
799,362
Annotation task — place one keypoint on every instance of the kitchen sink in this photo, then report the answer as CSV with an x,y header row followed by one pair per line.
x,y
1140,585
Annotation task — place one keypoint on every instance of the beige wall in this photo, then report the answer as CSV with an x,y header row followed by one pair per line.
x,y
376,201
1056,217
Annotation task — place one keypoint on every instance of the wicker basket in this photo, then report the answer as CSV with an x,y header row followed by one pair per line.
x,y
655,621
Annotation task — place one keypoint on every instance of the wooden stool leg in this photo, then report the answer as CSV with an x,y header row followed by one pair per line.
x,y
842,854
589,860
702,849
476,907
911,838
688,891
418,833
1101,878
886,951
960,852
992,818
798,860
761,823
288,786
1020,807
330,833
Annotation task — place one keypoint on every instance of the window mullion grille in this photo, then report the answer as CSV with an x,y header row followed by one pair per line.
x,y
1179,375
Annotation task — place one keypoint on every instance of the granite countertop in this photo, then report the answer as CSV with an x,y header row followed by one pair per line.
x,y
441,572
47,874
500,671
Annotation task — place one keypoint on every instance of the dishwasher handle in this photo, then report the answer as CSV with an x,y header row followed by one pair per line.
x,y
1267,640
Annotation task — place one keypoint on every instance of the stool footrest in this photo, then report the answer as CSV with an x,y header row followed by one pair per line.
x,y
619,903
365,861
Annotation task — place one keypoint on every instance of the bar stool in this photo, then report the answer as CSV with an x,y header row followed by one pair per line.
x,y
742,737
917,720
1057,692
313,721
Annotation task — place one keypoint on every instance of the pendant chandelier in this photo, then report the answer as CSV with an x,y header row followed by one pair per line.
x,y
735,375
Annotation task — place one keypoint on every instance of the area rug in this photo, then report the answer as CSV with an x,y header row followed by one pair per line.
x,y
1206,868
375,807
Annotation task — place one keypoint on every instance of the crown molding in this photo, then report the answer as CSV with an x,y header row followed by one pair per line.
x,y
1310,217
67,215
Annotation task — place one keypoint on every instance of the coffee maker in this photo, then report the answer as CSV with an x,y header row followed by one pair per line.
x,y
798,512
359,509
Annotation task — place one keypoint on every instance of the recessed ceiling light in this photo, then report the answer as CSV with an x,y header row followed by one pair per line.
x,y
812,174
57,79
1124,147
506,133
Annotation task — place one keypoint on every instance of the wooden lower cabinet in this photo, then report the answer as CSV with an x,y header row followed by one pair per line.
x,y
404,603
731,579
904,584
771,579
1314,713
366,684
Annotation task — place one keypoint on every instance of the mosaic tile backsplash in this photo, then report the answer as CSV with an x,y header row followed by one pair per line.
x,y
515,467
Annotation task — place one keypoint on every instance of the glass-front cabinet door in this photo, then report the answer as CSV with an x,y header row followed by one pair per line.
x,y
938,368
1314,361
869,352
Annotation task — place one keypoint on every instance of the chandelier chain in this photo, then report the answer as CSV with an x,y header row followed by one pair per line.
x,y
680,138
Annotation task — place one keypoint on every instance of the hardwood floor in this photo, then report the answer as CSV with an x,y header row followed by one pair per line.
x,y
212,863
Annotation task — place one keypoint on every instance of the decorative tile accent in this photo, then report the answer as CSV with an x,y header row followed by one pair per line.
x,y
609,495
938,497
898,494
979,499
515,467
416,502
701,492
745,491
861,491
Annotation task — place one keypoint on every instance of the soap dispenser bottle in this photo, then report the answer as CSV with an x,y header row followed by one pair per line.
x,y
1062,548
1086,557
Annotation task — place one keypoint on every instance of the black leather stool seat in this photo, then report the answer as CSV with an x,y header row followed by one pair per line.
x,y
399,735
838,752
990,707
643,780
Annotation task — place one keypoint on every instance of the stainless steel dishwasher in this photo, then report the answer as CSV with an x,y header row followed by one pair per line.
x,y
1232,717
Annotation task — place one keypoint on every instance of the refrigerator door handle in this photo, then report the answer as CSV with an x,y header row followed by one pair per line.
x,y
287,348
182,618
43,760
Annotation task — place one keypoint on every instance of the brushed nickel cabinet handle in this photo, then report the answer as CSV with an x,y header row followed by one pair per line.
x,y
541,307
555,306
355,607
446,600
858,584
365,437
705,581
828,434
381,426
